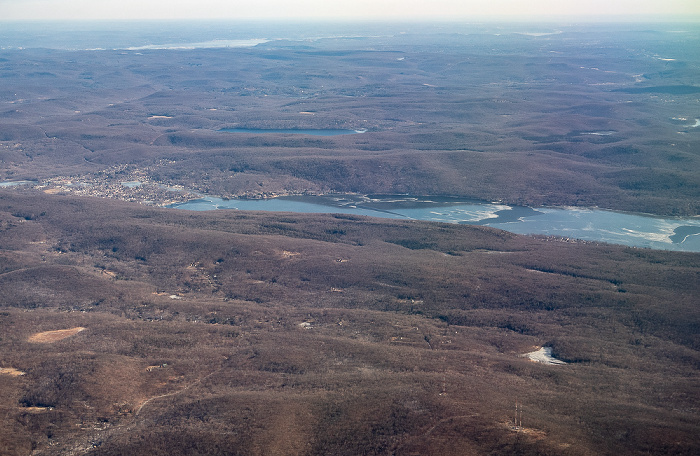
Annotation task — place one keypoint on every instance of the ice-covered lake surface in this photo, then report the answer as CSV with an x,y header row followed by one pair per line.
x,y
292,131
16,183
636,230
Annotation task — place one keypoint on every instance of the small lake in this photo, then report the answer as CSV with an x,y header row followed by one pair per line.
x,y
16,183
634,230
292,131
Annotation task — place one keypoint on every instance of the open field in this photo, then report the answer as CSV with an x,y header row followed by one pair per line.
x,y
258,333
48,337
11,371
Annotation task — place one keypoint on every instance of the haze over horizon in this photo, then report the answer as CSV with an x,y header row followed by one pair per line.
x,y
594,10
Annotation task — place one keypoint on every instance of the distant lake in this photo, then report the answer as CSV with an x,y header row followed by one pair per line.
x,y
260,131
598,225
210,44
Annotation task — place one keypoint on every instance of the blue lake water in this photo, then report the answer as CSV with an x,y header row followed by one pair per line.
x,y
209,44
259,131
634,230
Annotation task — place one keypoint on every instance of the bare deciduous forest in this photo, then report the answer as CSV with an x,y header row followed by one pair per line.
x,y
259,333
132,329
595,116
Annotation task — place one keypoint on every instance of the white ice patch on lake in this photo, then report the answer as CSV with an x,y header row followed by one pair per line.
x,y
598,133
537,34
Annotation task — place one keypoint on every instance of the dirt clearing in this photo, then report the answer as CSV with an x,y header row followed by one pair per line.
x,y
47,337
11,371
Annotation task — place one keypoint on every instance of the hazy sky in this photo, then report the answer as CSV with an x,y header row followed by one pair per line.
x,y
339,9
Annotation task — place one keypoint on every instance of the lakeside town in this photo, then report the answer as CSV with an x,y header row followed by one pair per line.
x,y
123,182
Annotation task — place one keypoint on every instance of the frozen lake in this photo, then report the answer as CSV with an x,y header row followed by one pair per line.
x,y
636,230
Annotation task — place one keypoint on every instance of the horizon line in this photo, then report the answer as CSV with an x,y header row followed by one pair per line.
x,y
586,19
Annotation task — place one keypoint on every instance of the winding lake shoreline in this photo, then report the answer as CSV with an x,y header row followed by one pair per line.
x,y
589,224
